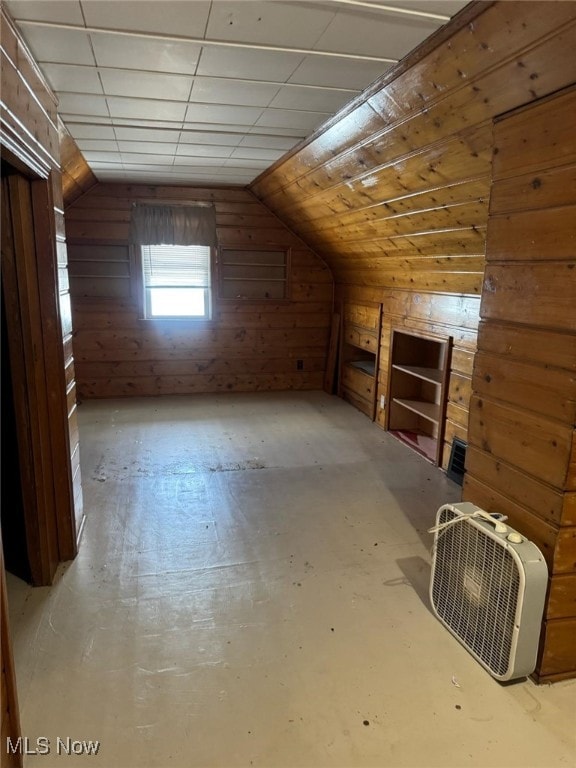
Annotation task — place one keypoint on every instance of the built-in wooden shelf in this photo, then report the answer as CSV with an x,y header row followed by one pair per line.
x,y
366,366
417,386
423,408
359,355
434,375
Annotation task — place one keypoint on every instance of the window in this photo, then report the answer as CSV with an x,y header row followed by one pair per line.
x,y
176,281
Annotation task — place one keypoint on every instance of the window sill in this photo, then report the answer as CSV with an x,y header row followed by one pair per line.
x,y
181,321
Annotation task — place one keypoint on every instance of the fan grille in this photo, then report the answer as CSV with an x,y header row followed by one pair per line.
x,y
475,591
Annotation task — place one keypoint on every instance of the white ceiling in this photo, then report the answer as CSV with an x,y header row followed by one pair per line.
x,y
211,91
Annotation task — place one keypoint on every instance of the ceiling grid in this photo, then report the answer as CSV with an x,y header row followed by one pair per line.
x,y
193,91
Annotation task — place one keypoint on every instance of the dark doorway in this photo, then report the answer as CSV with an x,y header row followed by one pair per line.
x,y
11,503
14,541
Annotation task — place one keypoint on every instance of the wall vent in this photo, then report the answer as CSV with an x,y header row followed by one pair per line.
x,y
456,465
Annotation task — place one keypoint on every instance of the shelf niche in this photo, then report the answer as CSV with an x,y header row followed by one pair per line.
x,y
417,387
359,356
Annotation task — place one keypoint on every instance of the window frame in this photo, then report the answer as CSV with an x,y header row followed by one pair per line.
x,y
139,292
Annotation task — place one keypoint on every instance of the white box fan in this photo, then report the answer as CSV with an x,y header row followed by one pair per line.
x,y
488,588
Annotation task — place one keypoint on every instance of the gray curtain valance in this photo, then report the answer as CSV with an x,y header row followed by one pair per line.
x,y
173,225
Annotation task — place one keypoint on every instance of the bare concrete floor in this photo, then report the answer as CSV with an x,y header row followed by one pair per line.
x,y
251,590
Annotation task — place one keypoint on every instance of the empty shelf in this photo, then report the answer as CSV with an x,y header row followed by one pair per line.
x,y
433,375
366,366
430,411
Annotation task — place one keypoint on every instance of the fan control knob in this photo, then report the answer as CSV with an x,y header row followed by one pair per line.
x,y
515,538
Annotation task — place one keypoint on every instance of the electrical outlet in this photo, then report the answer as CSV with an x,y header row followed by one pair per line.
x,y
382,401
299,365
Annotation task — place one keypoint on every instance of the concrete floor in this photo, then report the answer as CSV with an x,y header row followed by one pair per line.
x,y
251,590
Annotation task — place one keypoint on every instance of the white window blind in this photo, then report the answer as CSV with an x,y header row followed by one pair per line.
x,y
176,280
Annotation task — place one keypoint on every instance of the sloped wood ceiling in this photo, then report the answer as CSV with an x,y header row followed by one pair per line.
x,y
394,192
77,176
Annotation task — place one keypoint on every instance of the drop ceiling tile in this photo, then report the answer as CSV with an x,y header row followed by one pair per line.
x,y
255,153
142,122
63,46
216,137
146,109
101,166
215,113
145,85
79,104
147,168
232,92
218,129
198,162
285,132
283,118
102,157
311,99
67,77
147,134
148,147
445,7
87,131
375,33
169,17
145,55
98,145
340,73
141,158
202,150
63,11
254,65
282,24
230,181
268,142
255,165
233,171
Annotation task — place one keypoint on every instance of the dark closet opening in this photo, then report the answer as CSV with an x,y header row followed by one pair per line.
x,y
14,541
11,503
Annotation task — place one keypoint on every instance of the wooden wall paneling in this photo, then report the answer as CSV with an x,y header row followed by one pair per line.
x,y
28,109
358,177
77,176
30,144
536,444
546,145
444,161
557,659
540,497
570,483
45,224
543,234
24,320
496,34
424,313
507,286
534,345
247,345
359,352
401,206
65,308
562,596
558,544
548,188
523,408
551,391
399,212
